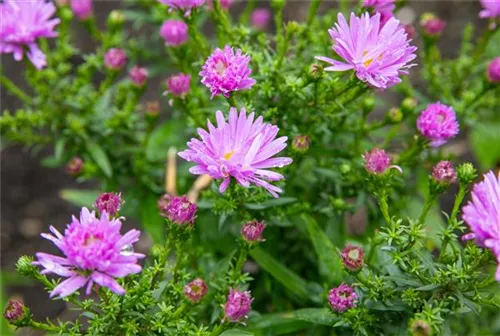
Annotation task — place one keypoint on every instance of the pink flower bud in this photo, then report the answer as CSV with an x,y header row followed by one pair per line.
x,y
261,17
444,172
115,59
432,25
342,298
14,311
237,305
252,231
178,210
109,202
494,71
301,143
174,32
352,256
377,161
75,166
82,9
195,290
179,85
138,75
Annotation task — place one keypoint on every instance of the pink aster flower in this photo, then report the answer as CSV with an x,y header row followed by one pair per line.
x,y
432,25
494,71
178,210
109,202
174,32
15,310
21,24
252,231
491,9
226,71
482,214
377,161
378,55
178,85
237,305
195,290
94,252
342,298
138,76
240,148
115,59
82,9
444,172
260,18
438,123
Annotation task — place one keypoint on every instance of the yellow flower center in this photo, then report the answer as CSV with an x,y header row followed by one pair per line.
x,y
228,155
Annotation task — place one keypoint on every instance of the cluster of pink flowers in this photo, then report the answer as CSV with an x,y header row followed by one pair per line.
x,y
174,32
94,253
226,71
378,54
438,123
342,298
22,24
240,148
482,214
237,305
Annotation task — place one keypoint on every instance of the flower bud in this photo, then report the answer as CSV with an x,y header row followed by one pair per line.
x,y
345,168
277,4
432,25
195,290
301,143
261,17
178,210
116,18
494,71
353,257
292,27
394,115
466,173
420,327
444,172
82,9
109,202
342,298
115,59
179,85
408,105
368,105
252,231
74,166
153,109
316,71
16,313
237,305
174,32
25,267
410,30
138,76
376,161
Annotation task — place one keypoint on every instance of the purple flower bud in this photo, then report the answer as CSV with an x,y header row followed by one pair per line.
x,y
444,172
494,71
115,59
14,311
237,305
174,32
438,123
420,328
377,161
179,85
195,290
75,166
342,298
138,75
432,25
178,210
352,256
252,231
109,202
82,9
261,17
301,143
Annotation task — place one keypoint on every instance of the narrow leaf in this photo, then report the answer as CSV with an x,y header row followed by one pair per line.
x,y
80,198
100,158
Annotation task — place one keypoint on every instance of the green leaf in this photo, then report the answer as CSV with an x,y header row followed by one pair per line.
x,y
271,203
484,140
100,157
320,316
80,198
285,276
170,134
153,223
236,332
329,257
277,324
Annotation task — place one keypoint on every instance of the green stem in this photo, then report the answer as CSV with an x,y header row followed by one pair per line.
x,y
427,206
232,101
458,201
283,49
15,90
239,264
218,330
44,326
178,261
384,207
197,38
313,8
178,312
486,88
245,16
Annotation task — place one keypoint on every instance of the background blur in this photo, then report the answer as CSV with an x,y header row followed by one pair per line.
x,y
30,199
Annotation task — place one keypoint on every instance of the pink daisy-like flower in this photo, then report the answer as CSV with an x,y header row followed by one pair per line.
x,y
491,9
240,148
21,24
342,298
174,32
94,252
82,8
237,305
493,72
378,55
226,71
438,123
482,214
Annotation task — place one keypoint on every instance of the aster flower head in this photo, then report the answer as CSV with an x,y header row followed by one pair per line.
x,y
482,214
377,161
260,18
252,231
242,148
444,172
494,71
226,71
237,305
82,8
438,123
174,32
491,9
22,24
138,76
178,210
94,253
115,59
432,25
195,290
109,202
178,85
353,257
378,54
342,298
15,311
